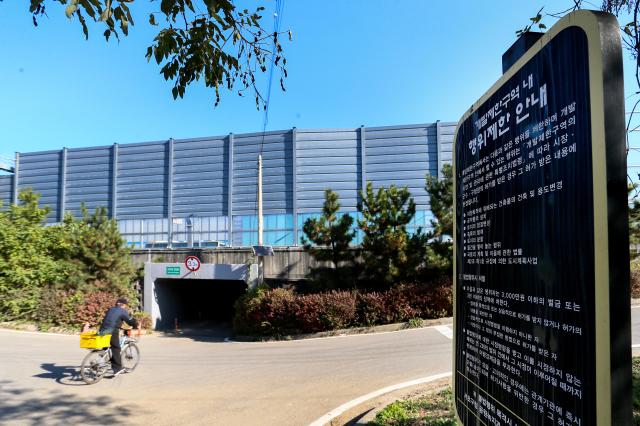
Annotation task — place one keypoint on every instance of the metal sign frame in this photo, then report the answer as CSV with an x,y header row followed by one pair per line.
x,y
192,268
612,307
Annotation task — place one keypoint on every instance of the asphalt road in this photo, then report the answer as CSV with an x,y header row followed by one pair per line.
x,y
185,381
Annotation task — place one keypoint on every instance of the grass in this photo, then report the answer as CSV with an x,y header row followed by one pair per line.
x,y
635,370
437,409
431,410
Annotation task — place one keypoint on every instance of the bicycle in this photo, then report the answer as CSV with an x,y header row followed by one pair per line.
x,y
98,361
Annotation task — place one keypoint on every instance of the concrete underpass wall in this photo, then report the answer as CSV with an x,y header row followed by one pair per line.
x,y
177,271
288,263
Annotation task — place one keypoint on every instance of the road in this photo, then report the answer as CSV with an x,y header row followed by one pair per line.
x,y
185,381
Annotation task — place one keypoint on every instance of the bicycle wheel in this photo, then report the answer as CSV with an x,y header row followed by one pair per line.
x,y
130,356
93,367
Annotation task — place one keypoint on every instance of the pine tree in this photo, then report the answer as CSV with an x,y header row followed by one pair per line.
x,y
440,247
327,238
390,254
96,253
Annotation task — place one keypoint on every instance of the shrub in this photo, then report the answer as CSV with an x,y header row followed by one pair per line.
x,y
94,306
280,311
307,311
372,309
339,309
57,307
265,312
399,303
143,318
634,279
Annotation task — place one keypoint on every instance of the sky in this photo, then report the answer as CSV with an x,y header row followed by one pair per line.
x,y
351,63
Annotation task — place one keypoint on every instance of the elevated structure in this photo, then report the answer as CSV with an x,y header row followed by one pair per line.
x,y
202,192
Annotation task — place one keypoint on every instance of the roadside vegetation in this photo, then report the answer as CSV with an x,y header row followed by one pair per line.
x,y
436,409
396,273
430,410
63,275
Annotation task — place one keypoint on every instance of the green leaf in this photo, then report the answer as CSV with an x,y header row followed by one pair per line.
x,y
152,19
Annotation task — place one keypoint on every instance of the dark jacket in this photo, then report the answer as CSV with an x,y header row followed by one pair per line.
x,y
113,320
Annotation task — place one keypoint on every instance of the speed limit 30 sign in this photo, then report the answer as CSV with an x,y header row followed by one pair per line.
x,y
192,263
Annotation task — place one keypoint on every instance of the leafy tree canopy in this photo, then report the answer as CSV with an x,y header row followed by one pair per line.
x,y
212,40
70,260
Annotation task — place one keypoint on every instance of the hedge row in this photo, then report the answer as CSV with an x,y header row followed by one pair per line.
x,y
273,312
72,309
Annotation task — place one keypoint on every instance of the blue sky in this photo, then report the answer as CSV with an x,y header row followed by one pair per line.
x,y
351,62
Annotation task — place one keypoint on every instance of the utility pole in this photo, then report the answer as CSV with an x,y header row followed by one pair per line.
x,y
260,223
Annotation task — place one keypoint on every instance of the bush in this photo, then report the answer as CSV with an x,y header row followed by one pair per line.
x,y
265,312
144,319
339,309
372,309
94,306
280,311
58,307
634,279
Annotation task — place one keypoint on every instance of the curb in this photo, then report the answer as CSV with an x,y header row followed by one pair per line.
x,y
386,328
360,407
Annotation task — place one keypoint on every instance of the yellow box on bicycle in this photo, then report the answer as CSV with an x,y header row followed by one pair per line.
x,y
91,340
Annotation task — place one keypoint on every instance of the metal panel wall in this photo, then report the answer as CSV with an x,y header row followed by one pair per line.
x,y
142,180
209,180
277,176
6,191
327,159
41,172
88,179
447,132
402,156
200,177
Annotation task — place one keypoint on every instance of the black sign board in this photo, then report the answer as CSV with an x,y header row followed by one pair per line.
x,y
542,315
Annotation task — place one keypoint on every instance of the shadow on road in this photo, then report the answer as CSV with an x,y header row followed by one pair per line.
x,y
65,375
26,406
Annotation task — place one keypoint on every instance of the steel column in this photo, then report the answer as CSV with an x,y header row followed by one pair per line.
x,y
114,181
294,184
62,205
230,191
170,191
439,150
16,177
363,159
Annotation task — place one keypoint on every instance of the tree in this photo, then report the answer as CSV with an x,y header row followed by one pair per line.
x,y
26,264
93,250
198,39
389,253
327,239
626,10
440,247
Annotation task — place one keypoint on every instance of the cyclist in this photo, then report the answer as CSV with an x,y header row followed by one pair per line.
x,y
111,324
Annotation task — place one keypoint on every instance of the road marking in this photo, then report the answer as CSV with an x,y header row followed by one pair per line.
x,y
445,331
635,346
355,402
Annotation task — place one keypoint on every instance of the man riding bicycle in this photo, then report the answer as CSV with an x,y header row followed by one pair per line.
x,y
111,324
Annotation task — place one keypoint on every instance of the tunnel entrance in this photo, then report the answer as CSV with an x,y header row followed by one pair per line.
x,y
197,306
